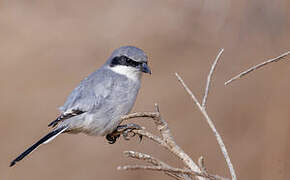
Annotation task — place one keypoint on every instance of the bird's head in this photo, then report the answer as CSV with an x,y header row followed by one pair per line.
x,y
129,61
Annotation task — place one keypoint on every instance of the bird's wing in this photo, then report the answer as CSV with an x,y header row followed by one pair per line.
x,y
66,115
87,96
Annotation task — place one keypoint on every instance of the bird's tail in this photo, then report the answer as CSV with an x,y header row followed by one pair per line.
x,y
50,136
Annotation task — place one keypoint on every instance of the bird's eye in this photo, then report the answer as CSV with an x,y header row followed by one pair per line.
x,y
128,60
125,61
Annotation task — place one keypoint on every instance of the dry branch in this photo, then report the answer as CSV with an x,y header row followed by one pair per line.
x,y
145,157
154,161
212,126
258,66
167,141
169,170
202,108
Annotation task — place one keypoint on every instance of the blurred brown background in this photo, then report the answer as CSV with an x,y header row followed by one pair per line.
x,y
47,47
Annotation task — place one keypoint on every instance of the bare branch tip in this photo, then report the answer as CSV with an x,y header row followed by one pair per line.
x,y
157,108
201,163
227,82
257,66
201,158
209,77
127,153
120,168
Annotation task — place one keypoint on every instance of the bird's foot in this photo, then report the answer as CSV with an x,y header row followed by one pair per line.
x,y
112,138
126,130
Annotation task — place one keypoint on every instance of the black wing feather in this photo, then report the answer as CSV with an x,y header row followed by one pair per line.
x,y
65,116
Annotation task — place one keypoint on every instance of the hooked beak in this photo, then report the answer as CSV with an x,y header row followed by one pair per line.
x,y
145,68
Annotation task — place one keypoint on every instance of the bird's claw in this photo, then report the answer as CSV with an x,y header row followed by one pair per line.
x,y
112,138
126,131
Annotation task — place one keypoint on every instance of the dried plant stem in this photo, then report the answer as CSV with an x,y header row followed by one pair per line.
x,y
207,87
154,161
140,114
201,165
145,157
168,143
170,170
253,68
167,140
212,126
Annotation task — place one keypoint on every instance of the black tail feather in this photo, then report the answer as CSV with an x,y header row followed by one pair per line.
x,y
38,143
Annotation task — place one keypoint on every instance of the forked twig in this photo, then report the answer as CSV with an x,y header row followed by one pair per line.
x,y
202,108
154,161
276,59
167,140
169,170
212,126
168,143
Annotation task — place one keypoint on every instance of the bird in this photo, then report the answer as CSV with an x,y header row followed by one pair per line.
x,y
96,105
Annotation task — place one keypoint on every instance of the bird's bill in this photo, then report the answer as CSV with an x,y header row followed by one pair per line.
x,y
145,68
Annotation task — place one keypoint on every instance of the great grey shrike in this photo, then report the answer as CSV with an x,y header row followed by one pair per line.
x,y
96,105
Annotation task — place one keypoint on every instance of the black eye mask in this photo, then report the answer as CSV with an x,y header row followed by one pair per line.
x,y
125,61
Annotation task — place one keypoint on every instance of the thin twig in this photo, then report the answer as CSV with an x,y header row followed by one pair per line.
x,y
140,114
209,78
148,158
152,137
212,126
152,160
276,59
170,170
201,165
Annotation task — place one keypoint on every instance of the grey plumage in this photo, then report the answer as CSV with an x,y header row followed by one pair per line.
x,y
102,111
96,105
